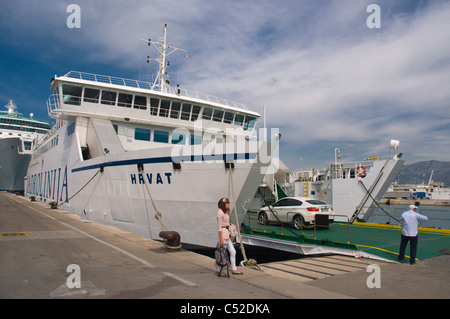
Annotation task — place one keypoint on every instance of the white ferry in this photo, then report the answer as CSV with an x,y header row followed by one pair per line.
x,y
18,134
432,190
127,151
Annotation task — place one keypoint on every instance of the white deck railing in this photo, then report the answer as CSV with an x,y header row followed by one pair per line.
x,y
149,86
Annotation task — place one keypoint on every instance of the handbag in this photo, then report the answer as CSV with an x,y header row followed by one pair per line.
x,y
222,259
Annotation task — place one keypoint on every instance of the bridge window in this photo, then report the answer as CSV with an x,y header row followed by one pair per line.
x,y
141,134
154,104
140,102
207,112
228,118
218,115
91,95
125,100
175,110
186,112
72,94
161,136
164,108
195,112
249,122
239,119
109,97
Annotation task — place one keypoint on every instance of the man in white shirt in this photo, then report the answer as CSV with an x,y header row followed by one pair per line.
x,y
409,223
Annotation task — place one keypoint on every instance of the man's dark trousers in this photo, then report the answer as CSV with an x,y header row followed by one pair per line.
x,y
413,248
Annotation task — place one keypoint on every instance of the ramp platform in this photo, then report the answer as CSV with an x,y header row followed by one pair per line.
x,y
359,239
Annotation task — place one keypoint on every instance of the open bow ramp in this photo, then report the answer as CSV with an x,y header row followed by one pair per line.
x,y
361,240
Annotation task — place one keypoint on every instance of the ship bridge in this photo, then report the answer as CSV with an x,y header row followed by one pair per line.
x,y
91,95
141,115
119,114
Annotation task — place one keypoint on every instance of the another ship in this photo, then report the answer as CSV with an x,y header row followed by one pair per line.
x,y
18,134
146,157
354,189
432,190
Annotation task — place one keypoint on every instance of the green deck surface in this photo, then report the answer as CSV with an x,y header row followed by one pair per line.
x,y
380,240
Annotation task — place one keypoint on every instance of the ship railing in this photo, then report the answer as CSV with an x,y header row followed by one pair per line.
x,y
52,104
150,86
438,216
333,171
314,231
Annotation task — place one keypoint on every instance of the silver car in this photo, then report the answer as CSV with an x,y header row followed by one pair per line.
x,y
295,211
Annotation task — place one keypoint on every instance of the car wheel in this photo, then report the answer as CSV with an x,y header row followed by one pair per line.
x,y
262,218
298,221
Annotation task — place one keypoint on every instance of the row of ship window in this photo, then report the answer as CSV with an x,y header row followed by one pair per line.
x,y
48,146
141,134
24,123
158,107
23,129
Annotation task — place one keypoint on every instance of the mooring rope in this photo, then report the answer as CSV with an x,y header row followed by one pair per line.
x,y
67,200
158,214
246,262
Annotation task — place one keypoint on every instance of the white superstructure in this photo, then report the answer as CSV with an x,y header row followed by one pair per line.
x,y
127,150
18,135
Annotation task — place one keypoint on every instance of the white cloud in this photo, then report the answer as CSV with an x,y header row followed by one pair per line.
x,y
326,79
361,89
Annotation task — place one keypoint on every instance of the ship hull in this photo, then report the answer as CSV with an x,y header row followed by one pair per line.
x,y
126,189
13,165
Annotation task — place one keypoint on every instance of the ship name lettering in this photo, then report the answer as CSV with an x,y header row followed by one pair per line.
x,y
158,178
50,184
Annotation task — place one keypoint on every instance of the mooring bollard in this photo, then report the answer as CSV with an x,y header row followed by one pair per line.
x,y
172,239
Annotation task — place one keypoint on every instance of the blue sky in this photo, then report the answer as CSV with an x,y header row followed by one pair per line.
x,y
327,80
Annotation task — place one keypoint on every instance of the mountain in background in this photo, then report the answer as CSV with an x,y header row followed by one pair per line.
x,y
418,173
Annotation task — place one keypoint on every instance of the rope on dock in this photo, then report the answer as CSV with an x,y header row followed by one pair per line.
x,y
246,262
171,238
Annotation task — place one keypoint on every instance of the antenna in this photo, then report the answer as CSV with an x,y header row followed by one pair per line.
x,y
164,50
11,106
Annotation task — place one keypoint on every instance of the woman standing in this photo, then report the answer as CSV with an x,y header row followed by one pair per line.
x,y
223,220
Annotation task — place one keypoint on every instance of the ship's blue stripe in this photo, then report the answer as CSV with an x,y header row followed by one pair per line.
x,y
169,159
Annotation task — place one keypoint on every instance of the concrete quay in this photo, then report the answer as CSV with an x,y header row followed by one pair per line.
x,y
51,254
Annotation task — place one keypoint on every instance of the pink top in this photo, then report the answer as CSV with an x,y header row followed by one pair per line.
x,y
223,220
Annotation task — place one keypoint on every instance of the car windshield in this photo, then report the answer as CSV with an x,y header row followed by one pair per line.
x,y
315,202
281,202
288,202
